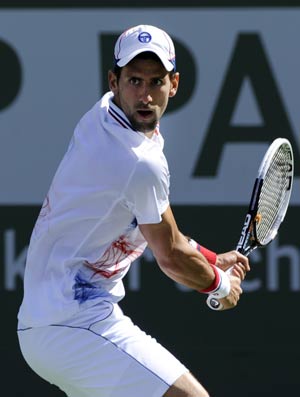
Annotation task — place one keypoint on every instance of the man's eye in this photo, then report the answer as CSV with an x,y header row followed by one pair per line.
x,y
158,82
134,81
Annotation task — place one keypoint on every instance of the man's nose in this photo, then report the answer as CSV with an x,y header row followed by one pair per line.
x,y
145,95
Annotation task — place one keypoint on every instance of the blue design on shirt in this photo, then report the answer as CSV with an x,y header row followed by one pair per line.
x,y
84,290
134,223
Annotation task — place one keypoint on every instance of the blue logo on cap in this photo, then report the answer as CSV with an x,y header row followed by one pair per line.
x,y
145,37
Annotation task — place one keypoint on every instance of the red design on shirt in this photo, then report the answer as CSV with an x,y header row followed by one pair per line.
x,y
116,258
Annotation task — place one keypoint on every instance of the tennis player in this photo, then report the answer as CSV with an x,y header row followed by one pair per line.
x,y
108,200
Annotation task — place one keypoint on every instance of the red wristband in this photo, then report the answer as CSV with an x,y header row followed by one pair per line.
x,y
215,284
220,287
209,255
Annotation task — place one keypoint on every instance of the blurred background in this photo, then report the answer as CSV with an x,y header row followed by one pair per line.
x,y
239,64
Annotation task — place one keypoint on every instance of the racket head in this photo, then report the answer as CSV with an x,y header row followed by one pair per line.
x,y
277,173
269,202
270,197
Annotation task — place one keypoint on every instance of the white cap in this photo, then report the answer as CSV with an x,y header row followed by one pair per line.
x,y
144,38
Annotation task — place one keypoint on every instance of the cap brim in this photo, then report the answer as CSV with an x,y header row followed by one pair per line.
x,y
161,55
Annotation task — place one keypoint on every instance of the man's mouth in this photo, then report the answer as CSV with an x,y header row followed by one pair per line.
x,y
145,113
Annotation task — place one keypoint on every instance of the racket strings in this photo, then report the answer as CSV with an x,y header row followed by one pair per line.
x,y
273,197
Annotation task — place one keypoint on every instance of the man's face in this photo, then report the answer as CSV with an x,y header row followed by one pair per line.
x,y
143,92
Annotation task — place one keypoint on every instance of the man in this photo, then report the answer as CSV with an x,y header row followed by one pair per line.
x,y
107,201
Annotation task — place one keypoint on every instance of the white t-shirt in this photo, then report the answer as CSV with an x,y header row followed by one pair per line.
x,y
111,179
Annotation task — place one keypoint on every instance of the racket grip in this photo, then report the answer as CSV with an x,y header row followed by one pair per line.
x,y
212,302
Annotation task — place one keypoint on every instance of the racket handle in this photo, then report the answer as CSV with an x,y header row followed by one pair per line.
x,y
212,302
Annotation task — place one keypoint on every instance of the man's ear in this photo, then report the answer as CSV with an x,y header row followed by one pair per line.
x,y
174,85
112,81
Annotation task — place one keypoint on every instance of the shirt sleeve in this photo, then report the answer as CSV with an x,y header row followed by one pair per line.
x,y
147,193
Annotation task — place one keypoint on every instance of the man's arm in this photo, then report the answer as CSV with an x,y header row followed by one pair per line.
x,y
186,265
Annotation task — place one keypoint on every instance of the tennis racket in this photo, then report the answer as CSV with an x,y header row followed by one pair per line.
x,y
269,202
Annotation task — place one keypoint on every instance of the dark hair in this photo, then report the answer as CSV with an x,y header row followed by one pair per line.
x,y
143,55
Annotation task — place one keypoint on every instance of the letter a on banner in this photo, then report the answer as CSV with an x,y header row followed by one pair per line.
x,y
249,61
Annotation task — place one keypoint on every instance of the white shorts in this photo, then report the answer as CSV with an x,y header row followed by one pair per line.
x,y
110,357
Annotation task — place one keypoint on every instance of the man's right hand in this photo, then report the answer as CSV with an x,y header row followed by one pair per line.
x,y
231,300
